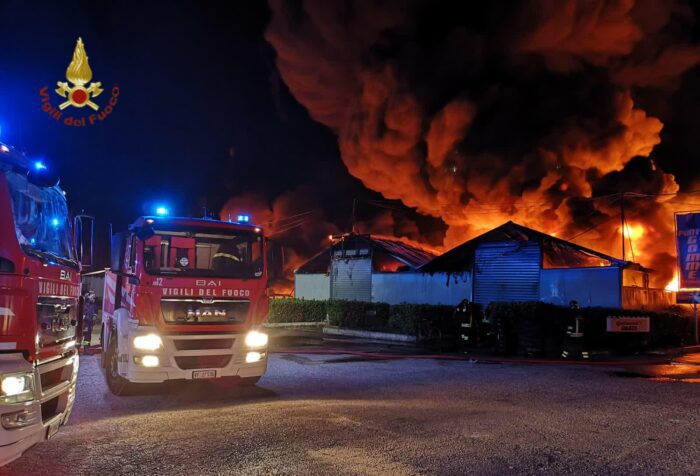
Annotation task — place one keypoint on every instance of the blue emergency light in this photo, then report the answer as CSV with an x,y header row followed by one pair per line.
x,y
39,165
243,218
162,211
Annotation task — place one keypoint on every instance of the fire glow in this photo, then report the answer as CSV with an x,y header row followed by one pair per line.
x,y
673,285
460,151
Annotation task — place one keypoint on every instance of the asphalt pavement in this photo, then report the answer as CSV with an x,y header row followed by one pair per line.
x,y
339,414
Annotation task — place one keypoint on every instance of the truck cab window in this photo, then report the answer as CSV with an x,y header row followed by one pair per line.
x,y
236,254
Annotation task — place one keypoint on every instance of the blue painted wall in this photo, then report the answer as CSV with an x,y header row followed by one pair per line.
x,y
589,286
421,288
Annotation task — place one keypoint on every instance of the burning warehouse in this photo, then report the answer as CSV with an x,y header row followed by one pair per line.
x,y
516,263
366,268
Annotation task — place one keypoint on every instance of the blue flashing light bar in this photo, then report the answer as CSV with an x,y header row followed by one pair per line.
x,y
243,219
39,165
162,211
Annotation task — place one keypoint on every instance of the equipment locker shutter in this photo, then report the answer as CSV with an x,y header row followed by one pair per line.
x,y
351,278
507,272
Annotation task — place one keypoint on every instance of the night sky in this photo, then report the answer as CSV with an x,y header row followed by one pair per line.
x,y
202,114
461,114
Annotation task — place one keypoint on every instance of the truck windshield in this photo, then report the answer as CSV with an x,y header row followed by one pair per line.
x,y
41,219
215,253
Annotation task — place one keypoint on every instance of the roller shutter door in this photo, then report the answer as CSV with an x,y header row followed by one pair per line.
x,y
351,278
507,272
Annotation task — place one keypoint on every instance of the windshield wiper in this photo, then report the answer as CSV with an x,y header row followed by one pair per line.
x,y
51,255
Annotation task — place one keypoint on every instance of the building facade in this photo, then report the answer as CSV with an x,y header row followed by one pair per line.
x,y
516,263
366,268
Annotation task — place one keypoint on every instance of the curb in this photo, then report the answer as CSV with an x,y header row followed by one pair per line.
x,y
385,336
471,359
292,325
676,351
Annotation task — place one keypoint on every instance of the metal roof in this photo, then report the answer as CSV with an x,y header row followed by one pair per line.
x,y
556,253
411,256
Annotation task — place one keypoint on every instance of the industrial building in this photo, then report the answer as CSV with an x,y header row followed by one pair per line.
x,y
516,263
366,268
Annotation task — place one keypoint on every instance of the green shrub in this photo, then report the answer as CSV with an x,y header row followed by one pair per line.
x,y
358,314
297,310
408,318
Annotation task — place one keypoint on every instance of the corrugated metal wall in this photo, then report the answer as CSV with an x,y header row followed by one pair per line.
x,y
351,277
646,298
507,272
312,286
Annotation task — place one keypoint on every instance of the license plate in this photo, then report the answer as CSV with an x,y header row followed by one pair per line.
x,y
203,373
53,429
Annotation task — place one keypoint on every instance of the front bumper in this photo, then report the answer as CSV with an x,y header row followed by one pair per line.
x,y
55,395
190,357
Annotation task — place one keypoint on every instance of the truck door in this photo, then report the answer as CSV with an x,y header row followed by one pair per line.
x,y
118,268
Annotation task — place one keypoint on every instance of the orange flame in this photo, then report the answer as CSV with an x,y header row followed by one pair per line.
x,y
633,231
672,286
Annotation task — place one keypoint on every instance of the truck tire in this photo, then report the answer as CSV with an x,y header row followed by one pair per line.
x,y
117,384
250,381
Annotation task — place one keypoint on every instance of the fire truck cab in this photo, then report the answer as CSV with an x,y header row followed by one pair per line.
x,y
39,301
185,299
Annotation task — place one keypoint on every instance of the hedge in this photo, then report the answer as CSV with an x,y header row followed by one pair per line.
x,y
297,310
536,328
407,318
358,314
399,318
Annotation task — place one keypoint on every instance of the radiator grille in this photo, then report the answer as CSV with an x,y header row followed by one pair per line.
x,y
203,362
203,344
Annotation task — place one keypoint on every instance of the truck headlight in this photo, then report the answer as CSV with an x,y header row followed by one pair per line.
x,y
255,339
148,342
16,387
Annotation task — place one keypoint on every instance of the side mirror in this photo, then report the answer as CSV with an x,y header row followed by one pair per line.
x,y
84,238
117,251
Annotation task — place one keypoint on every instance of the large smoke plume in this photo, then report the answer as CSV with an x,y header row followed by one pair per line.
x,y
480,112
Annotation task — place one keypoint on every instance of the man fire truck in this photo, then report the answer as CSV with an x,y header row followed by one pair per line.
x,y
39,289
184,299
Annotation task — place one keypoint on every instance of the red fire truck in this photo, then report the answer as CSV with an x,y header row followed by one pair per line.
x,y
39,294
185,299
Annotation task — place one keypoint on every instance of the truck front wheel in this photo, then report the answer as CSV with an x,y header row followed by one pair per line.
x,y
117,384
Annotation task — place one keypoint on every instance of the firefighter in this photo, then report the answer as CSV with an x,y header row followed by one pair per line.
x,y
464,314
573,342
226,257
89,312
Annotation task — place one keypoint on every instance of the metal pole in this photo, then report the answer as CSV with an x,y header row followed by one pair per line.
x,y
622,219
354,216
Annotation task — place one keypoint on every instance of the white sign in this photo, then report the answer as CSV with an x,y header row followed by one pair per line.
x,y
628,324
